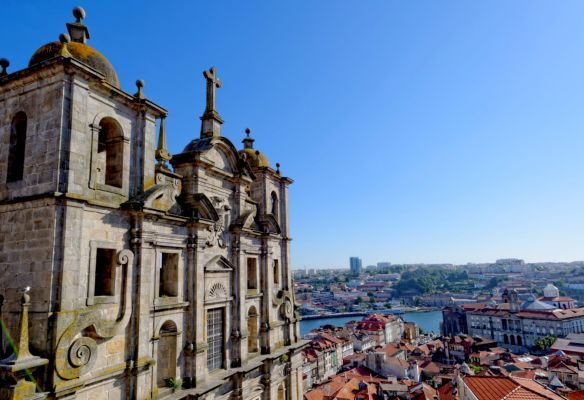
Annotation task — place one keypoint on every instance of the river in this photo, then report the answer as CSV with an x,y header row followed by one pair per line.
x,y
429,321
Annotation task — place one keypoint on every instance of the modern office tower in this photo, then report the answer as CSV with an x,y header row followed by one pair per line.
x,y
356,265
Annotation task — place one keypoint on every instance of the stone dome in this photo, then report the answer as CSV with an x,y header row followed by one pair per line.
x,y
80,52
255,158
551,291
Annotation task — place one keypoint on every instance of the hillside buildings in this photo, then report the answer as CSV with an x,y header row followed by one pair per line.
x,y
518,324
141,274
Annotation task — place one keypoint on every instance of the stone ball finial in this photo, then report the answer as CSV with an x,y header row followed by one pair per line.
x,y
79,13
4,63
139,94
247,131
64,38
25,297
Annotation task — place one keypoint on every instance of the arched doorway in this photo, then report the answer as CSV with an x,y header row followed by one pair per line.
x,y
166,357
252,330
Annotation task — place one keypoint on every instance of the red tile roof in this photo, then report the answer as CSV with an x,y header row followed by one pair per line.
x,y
490,388
499,388
576,395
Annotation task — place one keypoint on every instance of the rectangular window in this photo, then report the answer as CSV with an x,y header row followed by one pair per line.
x,y
16,145
252,274
105,272
168,280
276,272
215,338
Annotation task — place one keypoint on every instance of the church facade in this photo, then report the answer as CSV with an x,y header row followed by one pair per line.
x,y
149,275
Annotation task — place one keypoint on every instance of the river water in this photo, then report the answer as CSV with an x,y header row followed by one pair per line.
x,y
429,321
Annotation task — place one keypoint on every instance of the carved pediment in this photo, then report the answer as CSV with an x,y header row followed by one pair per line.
x,y
219,264
247,218
162,196
269,224
198,206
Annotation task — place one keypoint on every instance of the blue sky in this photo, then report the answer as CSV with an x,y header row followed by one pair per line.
x,y
416,131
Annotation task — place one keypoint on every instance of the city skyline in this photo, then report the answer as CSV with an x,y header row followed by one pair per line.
x,y
446,133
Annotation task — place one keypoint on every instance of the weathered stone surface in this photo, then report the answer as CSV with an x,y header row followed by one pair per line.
x,y
126,258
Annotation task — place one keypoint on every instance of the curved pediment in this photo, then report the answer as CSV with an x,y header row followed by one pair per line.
x,y
161,196
218,151
198,206
246,219
269,224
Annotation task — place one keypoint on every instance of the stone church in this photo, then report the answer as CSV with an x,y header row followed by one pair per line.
x,y
127,272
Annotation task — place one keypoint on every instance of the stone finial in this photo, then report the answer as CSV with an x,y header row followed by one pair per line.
x,y
22,351
211,120
4,63
64,39
21,364
162,154
79,14
79,32
278,168
248,140
140,85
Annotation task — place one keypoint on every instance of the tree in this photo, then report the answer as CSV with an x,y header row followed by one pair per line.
x,y
544,343
359,300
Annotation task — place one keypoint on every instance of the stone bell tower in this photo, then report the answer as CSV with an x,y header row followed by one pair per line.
x,y
151,275
75,148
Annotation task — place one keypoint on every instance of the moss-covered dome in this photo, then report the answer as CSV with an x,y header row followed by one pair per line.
x,y
80,52
255,158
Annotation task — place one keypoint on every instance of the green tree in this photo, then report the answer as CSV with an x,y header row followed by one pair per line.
x,y
544,343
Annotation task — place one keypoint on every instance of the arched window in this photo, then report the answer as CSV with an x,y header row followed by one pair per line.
x,y
110,153
504,322
15,169
252,330
275,209
282,392
505,339
166,362
519,341
512,340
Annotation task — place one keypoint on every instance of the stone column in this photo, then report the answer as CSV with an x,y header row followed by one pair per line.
x,y
199,313
190,296
239,328
265,277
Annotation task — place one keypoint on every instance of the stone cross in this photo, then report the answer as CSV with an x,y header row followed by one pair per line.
x,y
212,84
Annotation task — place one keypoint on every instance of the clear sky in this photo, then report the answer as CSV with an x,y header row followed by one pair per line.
x,y
415,131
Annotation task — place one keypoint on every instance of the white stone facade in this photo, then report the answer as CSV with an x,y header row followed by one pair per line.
x,y
140,275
